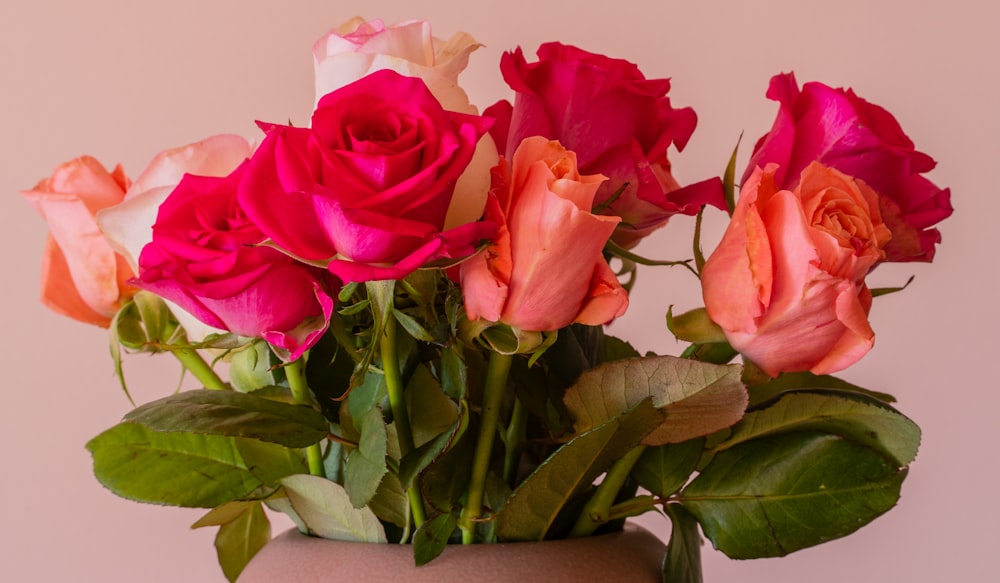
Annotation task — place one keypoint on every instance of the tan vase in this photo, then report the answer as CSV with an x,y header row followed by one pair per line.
x,y
634,555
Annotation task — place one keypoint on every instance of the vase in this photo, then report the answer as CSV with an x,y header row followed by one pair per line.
x,y
633,555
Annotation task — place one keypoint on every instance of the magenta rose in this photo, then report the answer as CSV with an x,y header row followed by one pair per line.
x,y
369,185
840,130
619,124
205,257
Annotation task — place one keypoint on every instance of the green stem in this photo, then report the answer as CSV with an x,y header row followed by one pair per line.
x,y
515,438
496,383
397,401
295,373
597,510
201,370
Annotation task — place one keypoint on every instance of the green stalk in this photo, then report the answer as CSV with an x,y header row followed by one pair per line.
x,y
496,383
515,438
296,376
598,509
201,370
394,384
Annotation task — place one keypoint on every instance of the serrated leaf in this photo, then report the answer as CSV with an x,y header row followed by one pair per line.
x,y
698,398
174,468
868,422
454,373
240,539
534,506
431,411
798,381
617,349
390,503
431,538
418,459
233,414
664,469
326,510
771,496
412,326
366,465
683,561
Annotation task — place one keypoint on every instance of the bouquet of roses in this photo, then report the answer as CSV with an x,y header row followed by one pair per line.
x,y
398,311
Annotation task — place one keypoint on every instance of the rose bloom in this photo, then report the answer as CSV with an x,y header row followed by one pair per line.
x,y
128,226
82,276
619,124
367,187
358,48
786,282
544,270
840,130
206,257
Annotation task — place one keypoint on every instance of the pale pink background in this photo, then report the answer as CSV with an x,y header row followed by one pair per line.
x,y
123,79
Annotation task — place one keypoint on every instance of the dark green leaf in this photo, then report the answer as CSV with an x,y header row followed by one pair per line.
x,y
775,495
729,178
805,380
683,561
270,462
882,291
617,349
454,373
412,326
390,503
664,469
866,421
536,503
174,468
432,537
421,457
233,414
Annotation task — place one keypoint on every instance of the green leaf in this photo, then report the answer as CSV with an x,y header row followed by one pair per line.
x,y
729,178
326,510
418,459
683,561
617,349
270,462
698,398
866,421
233,414
243,530
882,291
431,538
775,495
366,465
412,326
797,381
534,506
431,411
664,469
390,503
174,468
454,373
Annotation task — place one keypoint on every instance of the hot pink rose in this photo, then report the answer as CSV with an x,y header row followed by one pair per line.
x,y
544,269
82,276
205,256
840,130
786,282
619,124
369,186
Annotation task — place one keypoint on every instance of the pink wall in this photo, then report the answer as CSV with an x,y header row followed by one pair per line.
x,y
122,80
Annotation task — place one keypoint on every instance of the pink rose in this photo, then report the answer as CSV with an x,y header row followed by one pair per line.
x,y
128,226
840,130
358,48
786,282
205,256
82,276
619,124
369,186
545,269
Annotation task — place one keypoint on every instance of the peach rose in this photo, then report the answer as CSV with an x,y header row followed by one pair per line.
x,y
786,282
358,48
545,269
82,276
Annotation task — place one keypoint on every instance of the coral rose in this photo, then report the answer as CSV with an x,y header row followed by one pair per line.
x,y
544,269
840,130
786,282
82,276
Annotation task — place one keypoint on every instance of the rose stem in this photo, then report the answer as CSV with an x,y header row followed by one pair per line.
x,y
201,370
496,383
295,374
394,384
515,438
595,512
